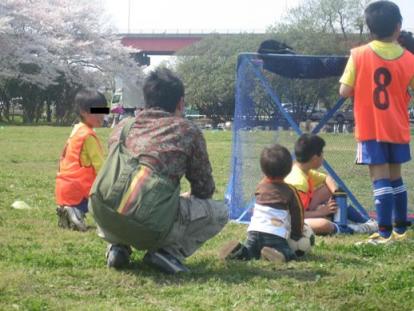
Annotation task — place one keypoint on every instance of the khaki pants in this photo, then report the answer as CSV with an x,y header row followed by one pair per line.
x,y
197,221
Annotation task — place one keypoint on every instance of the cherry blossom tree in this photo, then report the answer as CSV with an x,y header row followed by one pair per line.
x,y
50,45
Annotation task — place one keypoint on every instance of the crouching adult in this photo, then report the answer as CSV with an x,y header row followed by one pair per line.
x,y
148,157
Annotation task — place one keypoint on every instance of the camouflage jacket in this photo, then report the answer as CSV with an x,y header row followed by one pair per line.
x,y
173,145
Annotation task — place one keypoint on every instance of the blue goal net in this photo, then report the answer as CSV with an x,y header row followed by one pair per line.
x,y
278,97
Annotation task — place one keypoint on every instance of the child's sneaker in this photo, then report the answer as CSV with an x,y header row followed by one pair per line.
x,y
229,250
399,237
377,239
369,227
63,221
272,254
76,218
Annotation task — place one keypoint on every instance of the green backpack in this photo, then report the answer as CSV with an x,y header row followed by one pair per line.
x,y
131,200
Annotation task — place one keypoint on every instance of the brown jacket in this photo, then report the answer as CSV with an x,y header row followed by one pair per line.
x,y
277,194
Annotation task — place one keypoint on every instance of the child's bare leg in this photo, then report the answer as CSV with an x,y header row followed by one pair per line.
x,y
379,171
321,226
395,171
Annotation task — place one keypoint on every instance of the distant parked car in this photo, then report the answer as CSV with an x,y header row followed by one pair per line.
x,y
346,115
221,126
317,114
288,107
341,116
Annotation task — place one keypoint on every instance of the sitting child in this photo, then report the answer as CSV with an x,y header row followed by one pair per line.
x,y
81,159
277,213
315,190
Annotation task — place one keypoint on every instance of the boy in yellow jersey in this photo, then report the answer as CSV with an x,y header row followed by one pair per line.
x,y
315,190
378,76
81,160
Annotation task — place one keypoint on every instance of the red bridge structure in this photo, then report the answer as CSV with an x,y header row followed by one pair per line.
x,y
158,44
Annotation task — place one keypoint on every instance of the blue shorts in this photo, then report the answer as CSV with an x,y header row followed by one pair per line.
x,y
374,152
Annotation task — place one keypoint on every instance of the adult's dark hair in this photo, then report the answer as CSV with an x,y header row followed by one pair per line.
x,y
272,46
275,161
382,18
86,99
307,146
406,40
163,89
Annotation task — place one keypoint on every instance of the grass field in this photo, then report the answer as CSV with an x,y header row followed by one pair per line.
x,y
45,268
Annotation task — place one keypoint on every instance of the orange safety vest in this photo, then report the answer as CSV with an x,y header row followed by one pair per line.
x,y
381,96
74,181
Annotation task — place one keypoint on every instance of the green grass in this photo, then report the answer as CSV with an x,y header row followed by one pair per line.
x,y
45,268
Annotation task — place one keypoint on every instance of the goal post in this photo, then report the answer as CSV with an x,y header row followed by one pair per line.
x,y
265,95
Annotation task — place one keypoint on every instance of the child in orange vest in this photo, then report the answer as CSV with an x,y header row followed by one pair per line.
x,y
378,75
81,160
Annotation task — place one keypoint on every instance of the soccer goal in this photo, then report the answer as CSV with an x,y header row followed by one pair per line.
x,y
277,98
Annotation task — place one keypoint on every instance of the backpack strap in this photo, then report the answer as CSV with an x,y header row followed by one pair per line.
x,y
125,130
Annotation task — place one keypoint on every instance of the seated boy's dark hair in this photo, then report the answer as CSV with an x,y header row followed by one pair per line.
x,y
406,40
272,46
163,89
86,99
307,146
382,18
275,161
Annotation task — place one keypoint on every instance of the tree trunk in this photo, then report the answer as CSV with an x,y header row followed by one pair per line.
x,y
341,22
7,110
38,112
48,112
28,111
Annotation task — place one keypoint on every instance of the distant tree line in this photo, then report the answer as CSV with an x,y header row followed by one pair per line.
x,y
50,49
315,27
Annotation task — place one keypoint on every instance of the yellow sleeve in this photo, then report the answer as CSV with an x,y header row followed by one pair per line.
x,y
348,77
92,154
318,178
297,179
412,84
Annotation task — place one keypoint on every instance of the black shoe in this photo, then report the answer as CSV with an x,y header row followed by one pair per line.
x,y
164,262
117,256
63,221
